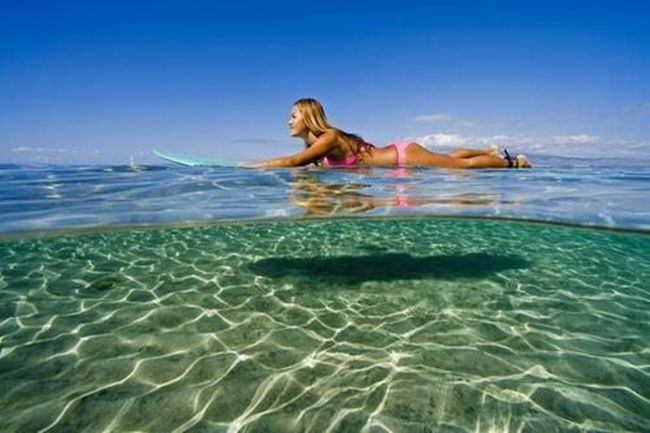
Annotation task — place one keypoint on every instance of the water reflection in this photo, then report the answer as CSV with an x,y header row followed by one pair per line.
x,y
400,189
327,198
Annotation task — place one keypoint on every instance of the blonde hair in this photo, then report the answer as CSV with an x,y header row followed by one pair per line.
x,y
315,119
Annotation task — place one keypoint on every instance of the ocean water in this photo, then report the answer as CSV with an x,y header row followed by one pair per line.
x,y
222,300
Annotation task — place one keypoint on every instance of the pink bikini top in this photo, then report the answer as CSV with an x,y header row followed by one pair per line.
x,y
350,160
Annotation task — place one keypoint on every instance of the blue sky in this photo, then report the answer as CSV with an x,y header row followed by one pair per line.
x,y
86,82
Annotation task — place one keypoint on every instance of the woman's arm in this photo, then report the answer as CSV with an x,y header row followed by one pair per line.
x,y
316,151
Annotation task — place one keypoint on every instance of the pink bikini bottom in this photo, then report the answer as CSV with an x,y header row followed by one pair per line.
x,y
400,147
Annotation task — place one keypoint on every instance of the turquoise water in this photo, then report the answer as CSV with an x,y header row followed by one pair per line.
x,y
605,193
400,325
415,301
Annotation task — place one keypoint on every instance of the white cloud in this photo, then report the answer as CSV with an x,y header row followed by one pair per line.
x,y
642,109
431,118
53,155
575,139
43,150
457,140
645,108
21,149
441,139
561,145
443,117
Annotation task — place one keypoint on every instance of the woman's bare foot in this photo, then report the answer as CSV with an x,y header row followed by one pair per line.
x,y
494,150
521,161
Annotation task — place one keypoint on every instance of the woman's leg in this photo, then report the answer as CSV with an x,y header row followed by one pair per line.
x,y
418,155
470,153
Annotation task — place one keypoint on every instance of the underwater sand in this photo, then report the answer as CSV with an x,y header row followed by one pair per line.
x,y
339,325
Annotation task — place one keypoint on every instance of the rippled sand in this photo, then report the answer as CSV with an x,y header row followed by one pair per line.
x,y
387,325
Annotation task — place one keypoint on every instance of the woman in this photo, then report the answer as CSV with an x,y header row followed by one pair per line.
x,y
336,148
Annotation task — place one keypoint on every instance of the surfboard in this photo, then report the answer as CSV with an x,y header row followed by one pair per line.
x,y
194,160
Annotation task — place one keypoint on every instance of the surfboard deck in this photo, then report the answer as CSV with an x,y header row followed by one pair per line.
x,y
194,160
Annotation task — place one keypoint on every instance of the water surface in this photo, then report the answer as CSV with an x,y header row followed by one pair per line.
x,y
609,193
